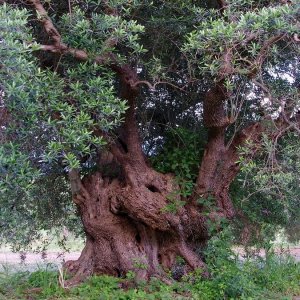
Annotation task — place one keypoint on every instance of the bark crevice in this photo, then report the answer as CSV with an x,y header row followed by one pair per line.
x,y
128,230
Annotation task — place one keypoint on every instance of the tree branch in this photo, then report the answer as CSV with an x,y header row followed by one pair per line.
x,y
152,87
254,131
263,54
47,23
59,47
222,5
62,48
214,114
79,193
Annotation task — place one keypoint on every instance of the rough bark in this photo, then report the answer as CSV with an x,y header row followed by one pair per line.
x,y
126,227
132,206
218,167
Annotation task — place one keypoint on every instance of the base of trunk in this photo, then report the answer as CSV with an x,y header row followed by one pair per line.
x,y
128,230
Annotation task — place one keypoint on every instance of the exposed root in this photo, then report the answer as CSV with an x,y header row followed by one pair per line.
x,y
128,230
82,268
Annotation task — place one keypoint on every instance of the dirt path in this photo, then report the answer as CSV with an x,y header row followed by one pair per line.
x,y
33,261
295,252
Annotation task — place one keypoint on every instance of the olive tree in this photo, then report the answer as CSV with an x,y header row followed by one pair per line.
x,y
88,89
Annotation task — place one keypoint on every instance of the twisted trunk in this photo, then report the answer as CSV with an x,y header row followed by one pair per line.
x,y
123,216
218,167
126,227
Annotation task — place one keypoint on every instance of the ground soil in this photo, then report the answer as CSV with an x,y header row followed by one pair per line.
x,y
293,251
34,261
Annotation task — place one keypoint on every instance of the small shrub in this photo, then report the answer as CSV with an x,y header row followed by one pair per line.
x,y
251,279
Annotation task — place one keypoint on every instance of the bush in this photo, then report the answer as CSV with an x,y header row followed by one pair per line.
x,y
276,277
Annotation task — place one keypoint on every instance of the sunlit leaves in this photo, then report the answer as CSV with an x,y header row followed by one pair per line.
x,y
101,33
242,33
68,110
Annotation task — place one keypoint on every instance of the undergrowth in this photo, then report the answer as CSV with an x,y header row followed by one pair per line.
x,y
276,277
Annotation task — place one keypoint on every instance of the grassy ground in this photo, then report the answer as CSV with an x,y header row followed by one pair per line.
x,y
276,278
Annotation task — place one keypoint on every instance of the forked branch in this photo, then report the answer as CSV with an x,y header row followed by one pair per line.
x,y
58,46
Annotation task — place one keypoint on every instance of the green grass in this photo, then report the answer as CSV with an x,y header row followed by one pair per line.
x,y
276,278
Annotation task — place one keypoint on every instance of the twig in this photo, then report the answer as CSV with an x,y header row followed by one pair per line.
x,y
264,88
70,9
152,87
286,119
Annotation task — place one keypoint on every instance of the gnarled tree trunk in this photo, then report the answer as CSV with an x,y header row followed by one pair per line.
x,y
126,225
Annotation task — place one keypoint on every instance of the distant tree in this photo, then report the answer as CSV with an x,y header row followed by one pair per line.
x,y
150,111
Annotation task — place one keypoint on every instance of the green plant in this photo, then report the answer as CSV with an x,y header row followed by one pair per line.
x,y
180,155
256,279
139,263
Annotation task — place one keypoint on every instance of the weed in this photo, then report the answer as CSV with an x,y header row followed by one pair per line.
x,y
251,279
